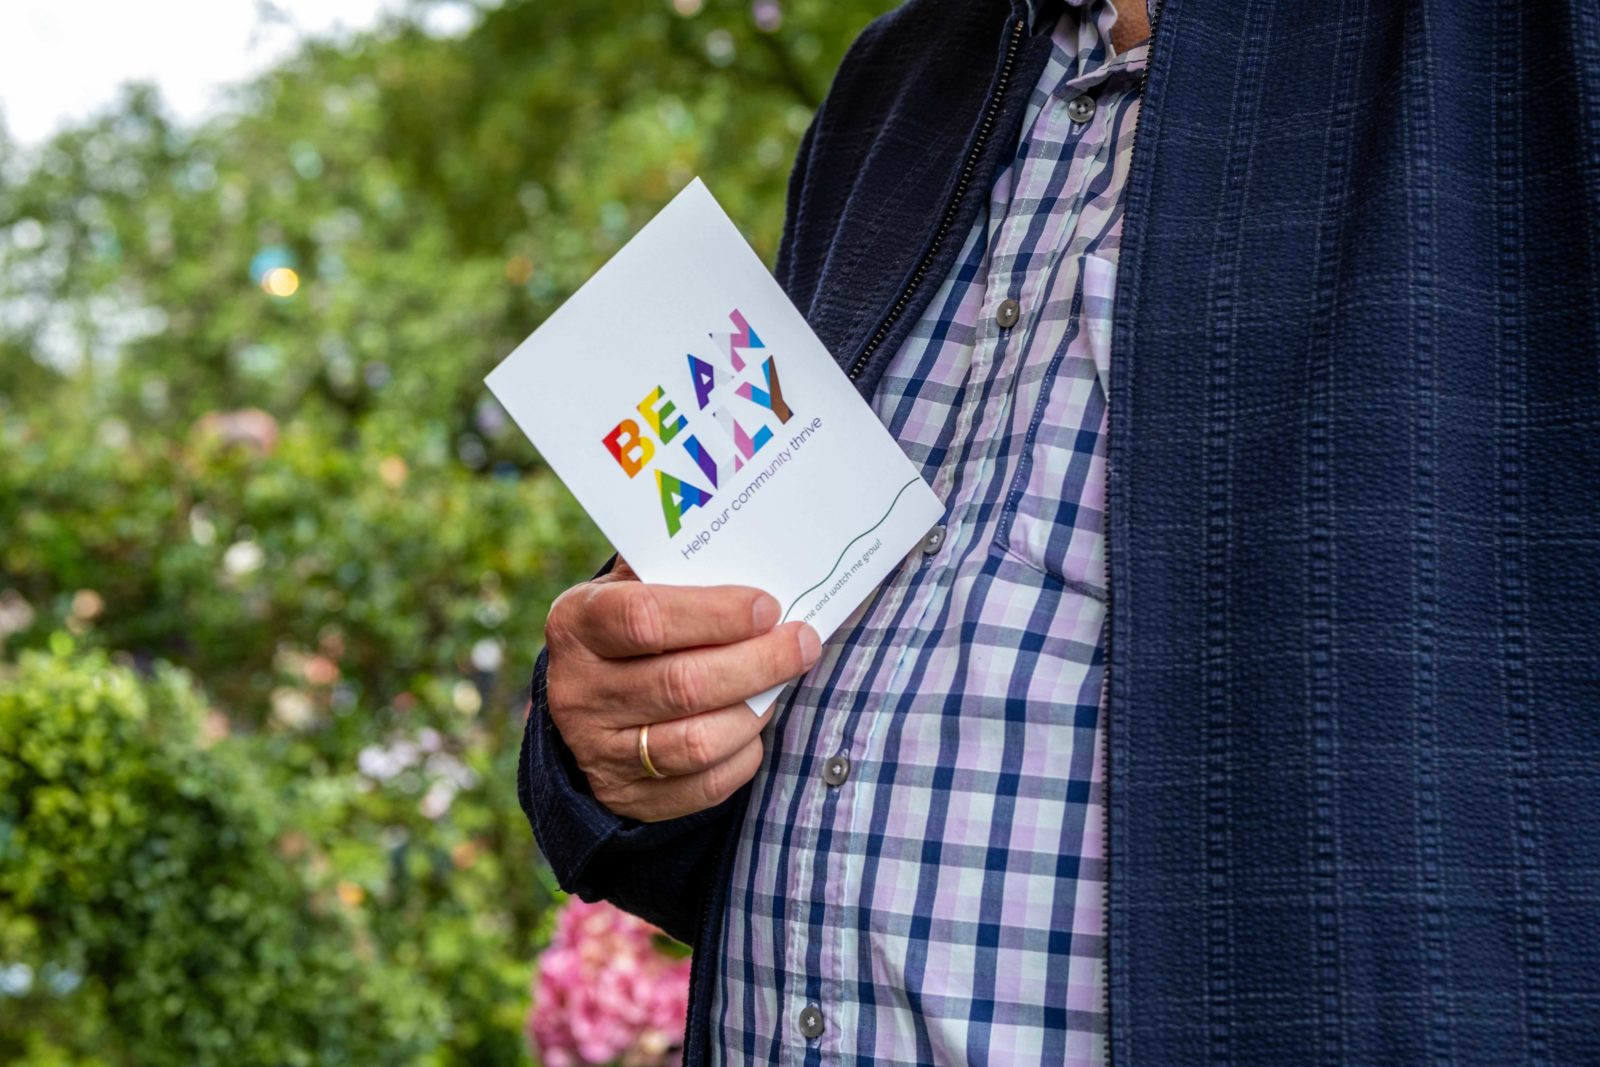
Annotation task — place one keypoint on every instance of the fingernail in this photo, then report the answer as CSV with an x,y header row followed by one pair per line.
x,y
810,644
766,611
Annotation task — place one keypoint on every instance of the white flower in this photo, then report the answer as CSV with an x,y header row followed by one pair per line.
x,y
243,557
452,770
16,613
437,800
291,708
201,528
466,698
383,762
487,655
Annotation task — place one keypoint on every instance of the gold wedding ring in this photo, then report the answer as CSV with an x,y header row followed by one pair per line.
x,y
644,752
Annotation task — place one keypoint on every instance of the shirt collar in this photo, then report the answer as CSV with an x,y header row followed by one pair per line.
x,y
1080,32
1042,14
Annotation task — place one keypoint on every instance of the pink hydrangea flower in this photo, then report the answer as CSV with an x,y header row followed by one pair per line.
x,y
606,994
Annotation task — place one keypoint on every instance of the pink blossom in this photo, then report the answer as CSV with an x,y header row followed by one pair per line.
x,y
605,993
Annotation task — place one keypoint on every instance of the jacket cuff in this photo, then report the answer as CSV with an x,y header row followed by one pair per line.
x,y
571,826
569,823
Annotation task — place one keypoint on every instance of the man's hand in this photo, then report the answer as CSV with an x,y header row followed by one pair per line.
x,y
623,653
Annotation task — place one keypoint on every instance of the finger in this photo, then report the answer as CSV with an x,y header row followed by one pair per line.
x,y
654,800
688,745
671,686
619,619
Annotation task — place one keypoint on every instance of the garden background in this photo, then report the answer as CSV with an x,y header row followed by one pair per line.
x,y
273,565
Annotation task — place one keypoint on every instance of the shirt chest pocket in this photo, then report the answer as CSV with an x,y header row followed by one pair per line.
x,y
1053,515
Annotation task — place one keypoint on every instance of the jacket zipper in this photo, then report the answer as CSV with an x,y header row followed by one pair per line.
x,y
968,168
1105,700
991,113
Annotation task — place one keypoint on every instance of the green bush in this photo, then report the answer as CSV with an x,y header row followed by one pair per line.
x,y
146,916
308,503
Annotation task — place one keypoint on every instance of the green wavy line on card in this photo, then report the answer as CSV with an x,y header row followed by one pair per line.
x,y
852,541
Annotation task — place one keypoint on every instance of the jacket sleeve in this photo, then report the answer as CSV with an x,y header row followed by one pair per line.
x,y
659,871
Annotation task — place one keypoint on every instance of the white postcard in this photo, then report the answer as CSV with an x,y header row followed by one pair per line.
x,y
696,417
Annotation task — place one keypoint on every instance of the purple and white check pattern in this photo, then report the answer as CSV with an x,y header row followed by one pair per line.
x,y
943,904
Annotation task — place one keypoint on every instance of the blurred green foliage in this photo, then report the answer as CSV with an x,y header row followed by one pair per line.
x,y
307,504
142,878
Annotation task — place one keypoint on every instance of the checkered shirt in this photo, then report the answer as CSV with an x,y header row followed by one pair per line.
x,y
940,900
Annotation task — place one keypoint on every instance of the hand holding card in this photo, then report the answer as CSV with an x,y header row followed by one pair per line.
x,y
686,403
646,685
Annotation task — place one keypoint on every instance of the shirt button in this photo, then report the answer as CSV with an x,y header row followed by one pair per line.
x,y
932,540
836,770
810,1022
1080,108
1007,313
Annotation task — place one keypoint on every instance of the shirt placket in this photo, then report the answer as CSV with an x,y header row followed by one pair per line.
x,y
1016,290
1004,317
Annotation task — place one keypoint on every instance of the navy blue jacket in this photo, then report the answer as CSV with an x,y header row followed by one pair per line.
x,y
1354,454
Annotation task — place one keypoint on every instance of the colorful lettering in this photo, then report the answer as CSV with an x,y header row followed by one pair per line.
x,y
704,377
733,442
631,451
770,398
660,419
742,337
677,498
747,443
703,459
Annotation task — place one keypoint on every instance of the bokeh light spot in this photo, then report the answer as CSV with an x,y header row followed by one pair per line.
x,y
281,282
719,47
519,269
688,8
393,471
767,14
